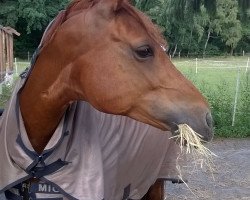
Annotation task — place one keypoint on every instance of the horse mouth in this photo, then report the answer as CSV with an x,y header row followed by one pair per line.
x,y
204,137
174,128
201,126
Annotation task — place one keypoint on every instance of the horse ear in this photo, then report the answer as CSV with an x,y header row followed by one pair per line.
x,y
108,7
117,4
113,4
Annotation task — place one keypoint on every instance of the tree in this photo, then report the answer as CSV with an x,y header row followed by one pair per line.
x,y
36,14
231,27
210,5
8,13
195,26
190,25
30,19
224,24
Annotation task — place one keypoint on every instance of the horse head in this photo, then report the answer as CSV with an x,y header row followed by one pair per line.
x,y
112,56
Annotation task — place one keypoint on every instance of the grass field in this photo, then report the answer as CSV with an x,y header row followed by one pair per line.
x,y
211,75
216,78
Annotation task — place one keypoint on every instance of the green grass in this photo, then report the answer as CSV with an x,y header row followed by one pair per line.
x,y
219,86
7,90
22,66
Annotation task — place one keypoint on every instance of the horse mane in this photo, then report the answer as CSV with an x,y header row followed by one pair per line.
x,y
77,6
73,8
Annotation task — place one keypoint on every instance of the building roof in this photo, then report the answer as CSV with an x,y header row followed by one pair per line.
x,y
9,30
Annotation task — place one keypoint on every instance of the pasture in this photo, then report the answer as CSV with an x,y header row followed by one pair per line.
x,y
217,80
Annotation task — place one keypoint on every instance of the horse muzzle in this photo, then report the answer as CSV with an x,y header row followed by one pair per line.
x,y
200,123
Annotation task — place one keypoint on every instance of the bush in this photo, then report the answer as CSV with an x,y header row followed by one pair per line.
x,y
222,103
6,93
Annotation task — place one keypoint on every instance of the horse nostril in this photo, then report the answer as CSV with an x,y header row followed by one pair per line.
x,y
209,120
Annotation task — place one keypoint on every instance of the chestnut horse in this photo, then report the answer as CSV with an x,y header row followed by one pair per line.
x,y
109,54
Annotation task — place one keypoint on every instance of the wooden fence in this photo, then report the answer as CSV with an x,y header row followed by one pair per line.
x,y
6,50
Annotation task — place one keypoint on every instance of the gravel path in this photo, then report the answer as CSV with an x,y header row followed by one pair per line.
x,y
231,175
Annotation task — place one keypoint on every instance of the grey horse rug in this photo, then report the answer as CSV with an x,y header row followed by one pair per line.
x,y
91,156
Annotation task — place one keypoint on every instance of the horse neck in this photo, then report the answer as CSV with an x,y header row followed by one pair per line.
x,y
45,97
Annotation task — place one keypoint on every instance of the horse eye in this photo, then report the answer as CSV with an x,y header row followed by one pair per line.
x,y
144,52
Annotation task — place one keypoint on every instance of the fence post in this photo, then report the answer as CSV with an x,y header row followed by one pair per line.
x,y
1,53
247,65
28,56
16,67
196,65
236,96
1,88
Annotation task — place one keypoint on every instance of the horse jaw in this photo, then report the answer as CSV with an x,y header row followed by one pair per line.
x,y
167,114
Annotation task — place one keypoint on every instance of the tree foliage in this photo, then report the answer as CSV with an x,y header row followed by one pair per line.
x,y
190,26
30,19
199,26
36,14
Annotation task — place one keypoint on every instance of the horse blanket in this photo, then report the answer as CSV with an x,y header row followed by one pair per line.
x,y
91,156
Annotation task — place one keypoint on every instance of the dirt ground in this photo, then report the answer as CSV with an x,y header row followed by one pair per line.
x,y
231,175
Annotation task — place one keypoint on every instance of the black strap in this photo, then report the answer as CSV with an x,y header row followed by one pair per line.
x,y
174,180
43,170
11,196
126,192
1,111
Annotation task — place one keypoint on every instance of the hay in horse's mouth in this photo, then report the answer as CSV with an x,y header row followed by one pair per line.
x,y
192,143
186,137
